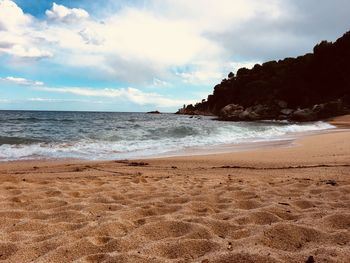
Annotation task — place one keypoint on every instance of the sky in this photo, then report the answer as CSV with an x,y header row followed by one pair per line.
x,y
142,55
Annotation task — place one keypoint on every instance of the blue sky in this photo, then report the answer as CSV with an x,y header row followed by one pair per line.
x,y
146,55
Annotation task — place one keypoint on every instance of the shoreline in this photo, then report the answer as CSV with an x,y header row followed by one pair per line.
x,y
217,151
286,140
277,204
341,123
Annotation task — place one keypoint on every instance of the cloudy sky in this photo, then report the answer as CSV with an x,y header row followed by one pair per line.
x,y
133,55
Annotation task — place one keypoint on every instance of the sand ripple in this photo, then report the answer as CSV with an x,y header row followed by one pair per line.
x,y
114,212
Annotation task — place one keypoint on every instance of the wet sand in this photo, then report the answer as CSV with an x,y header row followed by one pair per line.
x,y
276,204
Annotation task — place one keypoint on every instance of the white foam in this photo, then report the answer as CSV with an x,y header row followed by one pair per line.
x,y
139,146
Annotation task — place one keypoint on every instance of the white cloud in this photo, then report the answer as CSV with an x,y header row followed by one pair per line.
x,y
21,81
11,16
138,45
141,44
26,52
17,35
4,101
130,94
64,100
143,98
66,15
134,95
160,83
51,100
199,77
131,37
203,72
217,15
91,37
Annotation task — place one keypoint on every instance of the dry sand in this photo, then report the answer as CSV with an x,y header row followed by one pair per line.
x,y
269,205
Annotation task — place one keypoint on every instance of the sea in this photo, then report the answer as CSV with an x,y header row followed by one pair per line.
x,y
28,135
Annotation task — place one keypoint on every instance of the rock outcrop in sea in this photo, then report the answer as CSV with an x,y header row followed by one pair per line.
x,y
307,88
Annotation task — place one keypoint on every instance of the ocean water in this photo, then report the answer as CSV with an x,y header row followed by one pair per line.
x,y
105,136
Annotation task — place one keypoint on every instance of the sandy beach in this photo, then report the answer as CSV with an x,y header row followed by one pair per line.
x,y
276,204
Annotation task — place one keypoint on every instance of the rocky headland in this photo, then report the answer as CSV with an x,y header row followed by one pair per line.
x,y
311,87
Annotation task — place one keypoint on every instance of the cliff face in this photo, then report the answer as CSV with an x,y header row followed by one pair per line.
x,y
309,87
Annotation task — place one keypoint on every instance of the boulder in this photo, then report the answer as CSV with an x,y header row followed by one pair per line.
x,y
304,115
231,112
262,109
287,112
266,112
249,115
332,108
235,112
282,104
